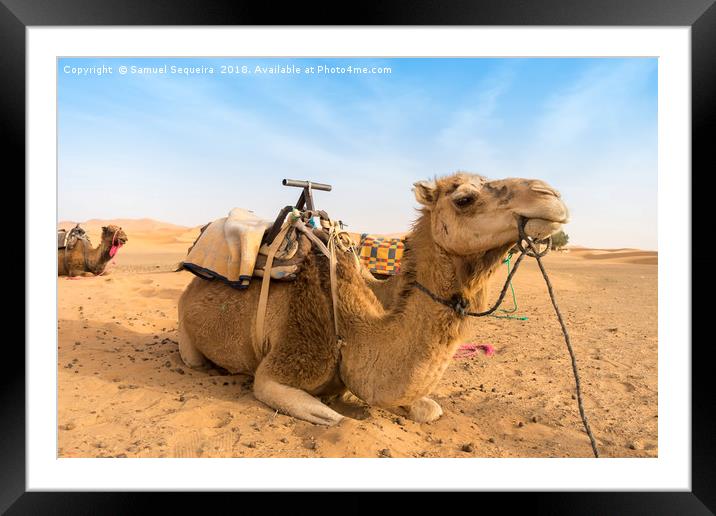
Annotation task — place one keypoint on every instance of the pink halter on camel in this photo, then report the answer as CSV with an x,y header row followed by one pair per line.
x,y
116,244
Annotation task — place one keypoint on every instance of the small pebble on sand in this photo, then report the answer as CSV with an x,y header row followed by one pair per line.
x,y
385,453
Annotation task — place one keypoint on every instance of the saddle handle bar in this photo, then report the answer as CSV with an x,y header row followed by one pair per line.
x,y
305,202
306,184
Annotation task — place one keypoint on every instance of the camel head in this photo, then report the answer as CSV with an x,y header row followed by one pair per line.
x,y
471,215
114,235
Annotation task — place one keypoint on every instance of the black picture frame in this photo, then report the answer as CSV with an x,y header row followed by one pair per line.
x,y
700,15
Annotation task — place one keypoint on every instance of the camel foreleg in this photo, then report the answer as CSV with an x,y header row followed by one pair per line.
x,y
292,401
83,274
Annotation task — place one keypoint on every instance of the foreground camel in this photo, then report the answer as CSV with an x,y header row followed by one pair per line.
x,y
83,260
391,357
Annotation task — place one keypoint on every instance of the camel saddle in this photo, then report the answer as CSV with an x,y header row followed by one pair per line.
x,y
67,240
234,249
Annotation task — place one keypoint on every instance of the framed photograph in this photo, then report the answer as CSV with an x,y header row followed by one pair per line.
x,y
299,252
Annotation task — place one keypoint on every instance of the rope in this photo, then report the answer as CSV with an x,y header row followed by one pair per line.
x,y
567,341
338,239
260,343
459,304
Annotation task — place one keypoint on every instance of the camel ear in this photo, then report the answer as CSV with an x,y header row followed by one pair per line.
x,y
425,192
104,229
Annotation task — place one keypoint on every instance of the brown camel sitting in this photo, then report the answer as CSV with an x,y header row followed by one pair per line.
x,y
83,260
390,357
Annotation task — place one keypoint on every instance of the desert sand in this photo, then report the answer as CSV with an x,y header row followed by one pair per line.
x,y
124,392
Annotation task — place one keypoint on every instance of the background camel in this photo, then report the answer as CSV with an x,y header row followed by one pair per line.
x,y
391,356
83,260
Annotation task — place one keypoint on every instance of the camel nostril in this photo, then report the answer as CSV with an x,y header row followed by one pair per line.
x,y
546,190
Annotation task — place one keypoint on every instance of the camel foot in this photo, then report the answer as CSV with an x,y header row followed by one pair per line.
x,y
424,410
83,274
294,402
191,356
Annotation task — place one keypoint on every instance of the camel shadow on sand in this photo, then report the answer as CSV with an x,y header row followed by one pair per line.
x,y
115,354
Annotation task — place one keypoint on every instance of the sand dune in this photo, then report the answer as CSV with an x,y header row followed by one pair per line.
x,y
621,255
139,225
158,237
145,235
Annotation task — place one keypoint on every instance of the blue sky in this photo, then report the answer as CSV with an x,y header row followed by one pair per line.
x,y
187,148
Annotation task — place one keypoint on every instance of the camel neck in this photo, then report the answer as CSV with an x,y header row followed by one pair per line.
x,y
447,275
98,257
395,356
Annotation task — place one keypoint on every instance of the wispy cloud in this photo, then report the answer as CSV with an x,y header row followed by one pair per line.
x,y
186,150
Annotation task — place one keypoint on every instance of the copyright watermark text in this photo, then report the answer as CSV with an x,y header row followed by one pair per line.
x,y
226,69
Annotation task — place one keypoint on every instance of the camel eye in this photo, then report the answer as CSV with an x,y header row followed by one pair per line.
x,y
463,202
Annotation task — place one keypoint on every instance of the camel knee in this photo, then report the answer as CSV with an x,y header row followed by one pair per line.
x,y
424,410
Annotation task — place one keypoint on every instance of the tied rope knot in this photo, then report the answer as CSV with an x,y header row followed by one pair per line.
x,y
460,304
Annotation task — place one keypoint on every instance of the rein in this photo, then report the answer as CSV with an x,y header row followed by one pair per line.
x,y
338,240
460,305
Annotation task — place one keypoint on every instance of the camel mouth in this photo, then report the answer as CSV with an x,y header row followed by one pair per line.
x,y
539,228
552,216
551,213
547,220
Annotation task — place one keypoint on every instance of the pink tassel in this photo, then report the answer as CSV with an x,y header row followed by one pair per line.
x,y
470,350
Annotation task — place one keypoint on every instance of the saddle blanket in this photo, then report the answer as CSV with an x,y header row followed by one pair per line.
x,y
231,249
381,255
228,247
